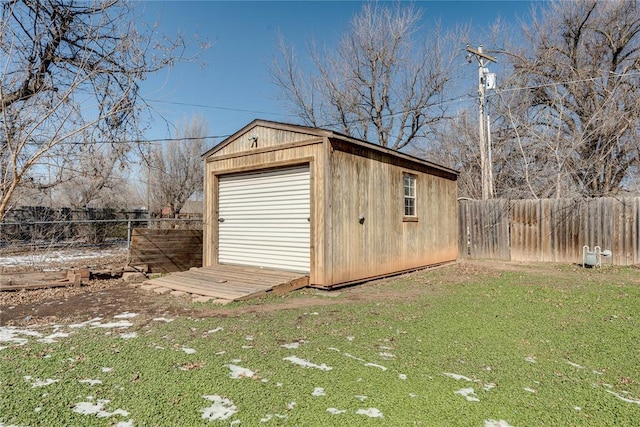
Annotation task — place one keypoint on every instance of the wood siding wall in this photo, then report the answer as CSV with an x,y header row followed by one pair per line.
x,y
166,251
310,152
553,230
266,137
370,185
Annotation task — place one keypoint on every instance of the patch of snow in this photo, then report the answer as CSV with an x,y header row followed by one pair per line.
x,y
488,386
361,398
293,345
413,395
458,377
371,412
221,409
335,411
11,334
575,365
387,355
125,315
129,335
305,363
162,319
56,256
40,383
90,382
124,424
469,394
624,399
83,324
188,350
530,390
374,365
249,338
220,353
97,409
240,372
577,408
498,423
530,359
594,372
213,331
291,405
351,356
50,339
118,324
246,347
402,376
350,338
318,391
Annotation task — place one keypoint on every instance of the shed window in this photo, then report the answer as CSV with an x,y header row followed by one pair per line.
x,y
409,195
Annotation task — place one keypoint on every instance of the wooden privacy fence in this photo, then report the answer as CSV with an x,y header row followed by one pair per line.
x,y
553,230
166,251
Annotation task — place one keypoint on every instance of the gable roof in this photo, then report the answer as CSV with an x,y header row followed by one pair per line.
x,y
319,132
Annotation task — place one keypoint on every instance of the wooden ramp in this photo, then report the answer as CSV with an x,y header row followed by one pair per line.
x,y
231,283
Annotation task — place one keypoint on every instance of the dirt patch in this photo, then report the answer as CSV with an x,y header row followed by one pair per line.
x,y
106,298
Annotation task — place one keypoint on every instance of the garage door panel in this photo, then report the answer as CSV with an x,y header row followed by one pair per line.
x,y
265,219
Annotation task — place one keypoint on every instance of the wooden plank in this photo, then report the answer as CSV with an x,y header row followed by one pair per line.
x,y
219,282
191,289
293,285
198,287
33,286
235,288
232,283
250,284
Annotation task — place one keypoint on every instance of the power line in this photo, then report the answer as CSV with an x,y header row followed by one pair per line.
x,y
139,141
329,124
240,110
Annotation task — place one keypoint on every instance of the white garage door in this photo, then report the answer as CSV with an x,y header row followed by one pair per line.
x,y
264,219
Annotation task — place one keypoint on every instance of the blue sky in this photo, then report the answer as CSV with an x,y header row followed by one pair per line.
x,y
235,87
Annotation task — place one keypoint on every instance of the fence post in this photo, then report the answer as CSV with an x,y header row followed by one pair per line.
x,y
129,234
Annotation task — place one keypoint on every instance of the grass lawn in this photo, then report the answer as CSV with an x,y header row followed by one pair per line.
x,y
473,344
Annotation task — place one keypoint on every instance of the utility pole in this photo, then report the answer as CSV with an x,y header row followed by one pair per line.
x,y
486,81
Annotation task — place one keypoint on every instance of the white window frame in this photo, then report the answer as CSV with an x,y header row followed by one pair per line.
x,y
410,199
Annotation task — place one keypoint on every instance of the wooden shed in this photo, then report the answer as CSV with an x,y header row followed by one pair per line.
x,y
310,200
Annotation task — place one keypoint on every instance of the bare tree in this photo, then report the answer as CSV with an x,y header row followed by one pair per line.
x,y
175,171
70,70
575,96
97,179
378,84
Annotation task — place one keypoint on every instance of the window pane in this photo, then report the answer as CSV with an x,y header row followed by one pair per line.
x,y
409,186
409,207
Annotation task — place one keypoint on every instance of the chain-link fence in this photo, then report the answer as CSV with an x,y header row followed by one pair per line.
x,y
37,233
